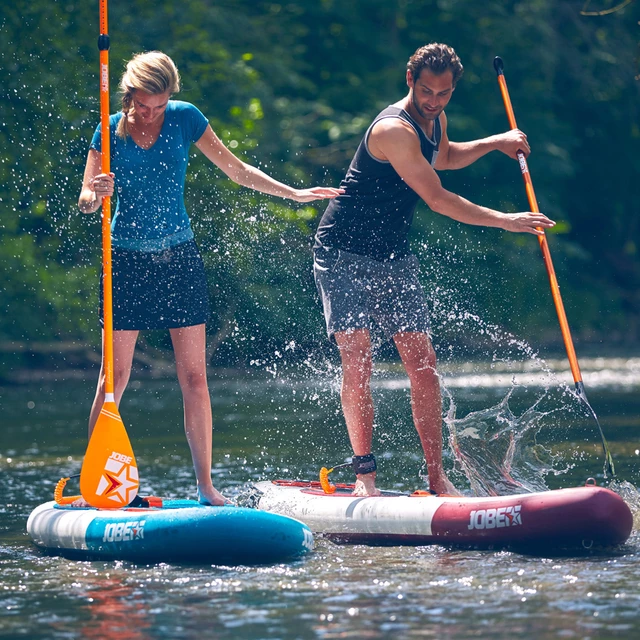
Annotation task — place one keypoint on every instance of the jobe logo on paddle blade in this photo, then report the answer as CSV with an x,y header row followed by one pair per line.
x,y
119,480
495,518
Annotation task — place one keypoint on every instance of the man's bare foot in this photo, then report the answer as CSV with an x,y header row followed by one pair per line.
x,y
366,486
80,502
212,497
443,486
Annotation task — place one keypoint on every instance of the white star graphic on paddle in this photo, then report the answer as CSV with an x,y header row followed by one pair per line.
x,y
127,487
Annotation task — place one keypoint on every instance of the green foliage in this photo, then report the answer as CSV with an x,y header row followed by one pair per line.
x,y
291,87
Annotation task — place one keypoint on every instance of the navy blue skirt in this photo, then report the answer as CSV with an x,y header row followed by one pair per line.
x,y
158,289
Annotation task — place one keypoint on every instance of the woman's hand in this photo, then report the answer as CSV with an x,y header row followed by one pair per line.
x,y
251,177
316,193
95,184
527,222
102,185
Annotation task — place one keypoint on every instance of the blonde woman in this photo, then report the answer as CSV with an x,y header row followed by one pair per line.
x,y
158,274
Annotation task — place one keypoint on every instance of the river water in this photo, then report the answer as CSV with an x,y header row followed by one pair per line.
x,y
282,425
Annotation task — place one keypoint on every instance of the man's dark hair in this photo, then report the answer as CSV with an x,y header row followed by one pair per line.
x,y
436,58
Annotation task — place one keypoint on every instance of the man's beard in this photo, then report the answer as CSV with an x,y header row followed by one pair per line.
x,y
427,115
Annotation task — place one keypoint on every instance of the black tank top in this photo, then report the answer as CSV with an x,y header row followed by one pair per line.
x,y
374,214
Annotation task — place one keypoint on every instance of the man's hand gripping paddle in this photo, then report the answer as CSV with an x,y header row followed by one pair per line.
x,y
555,289
109,474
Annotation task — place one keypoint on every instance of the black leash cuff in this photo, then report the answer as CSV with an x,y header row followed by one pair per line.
x,y
364,464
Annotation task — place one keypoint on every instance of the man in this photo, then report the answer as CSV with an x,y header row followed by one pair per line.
x,y
363,268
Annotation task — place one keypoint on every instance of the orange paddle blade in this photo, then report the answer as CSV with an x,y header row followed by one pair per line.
x,y
109,474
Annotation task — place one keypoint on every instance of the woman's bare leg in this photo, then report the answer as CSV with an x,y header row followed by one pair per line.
x,y
124,344
189,345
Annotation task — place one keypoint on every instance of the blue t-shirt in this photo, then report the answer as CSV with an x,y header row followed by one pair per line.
x,y
150,214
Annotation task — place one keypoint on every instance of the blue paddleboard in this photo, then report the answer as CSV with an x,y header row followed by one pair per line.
x,y
176,531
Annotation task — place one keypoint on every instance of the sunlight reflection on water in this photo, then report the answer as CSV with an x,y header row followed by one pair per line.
x,y
338,591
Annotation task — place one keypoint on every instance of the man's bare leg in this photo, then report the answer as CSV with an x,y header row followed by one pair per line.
x,y
357,403
419,359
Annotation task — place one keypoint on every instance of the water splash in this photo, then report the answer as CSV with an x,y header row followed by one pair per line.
x,y
498,451
630,494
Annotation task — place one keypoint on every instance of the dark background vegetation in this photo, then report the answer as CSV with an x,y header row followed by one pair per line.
x,y
291,87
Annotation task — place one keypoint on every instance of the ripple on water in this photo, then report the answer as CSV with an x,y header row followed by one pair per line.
x,y
338,591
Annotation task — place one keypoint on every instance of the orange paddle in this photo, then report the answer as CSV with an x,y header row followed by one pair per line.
x,y
109,474
609,469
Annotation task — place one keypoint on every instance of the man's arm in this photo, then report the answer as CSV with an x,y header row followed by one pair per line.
x,y
394,140
456,155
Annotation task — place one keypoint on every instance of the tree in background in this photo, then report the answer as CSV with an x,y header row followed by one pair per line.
x,y
292,87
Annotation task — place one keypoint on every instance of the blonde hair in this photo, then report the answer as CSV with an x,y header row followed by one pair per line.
x,y
153,72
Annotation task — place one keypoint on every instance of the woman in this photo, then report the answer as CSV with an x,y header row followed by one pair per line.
x,y
158,274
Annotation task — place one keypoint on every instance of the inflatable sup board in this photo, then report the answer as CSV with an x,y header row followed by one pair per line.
x,y
561,518
169,531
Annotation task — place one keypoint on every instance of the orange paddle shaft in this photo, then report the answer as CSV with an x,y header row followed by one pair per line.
x,y
109,474
103,46
542,239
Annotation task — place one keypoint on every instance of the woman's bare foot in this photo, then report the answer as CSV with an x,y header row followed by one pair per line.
x,y
366,486
211,496
80,502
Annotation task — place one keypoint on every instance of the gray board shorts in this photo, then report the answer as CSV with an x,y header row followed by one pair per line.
x,y
358,292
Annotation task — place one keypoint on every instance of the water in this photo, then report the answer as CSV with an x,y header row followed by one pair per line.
x,y
268,427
